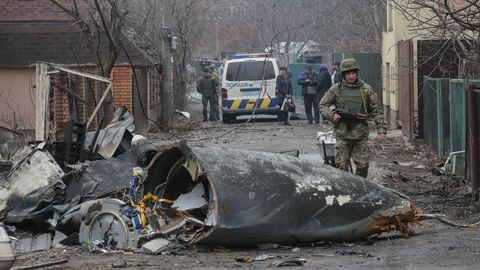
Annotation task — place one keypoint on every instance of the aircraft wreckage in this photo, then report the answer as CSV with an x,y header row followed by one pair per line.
x,y
204,195
252,197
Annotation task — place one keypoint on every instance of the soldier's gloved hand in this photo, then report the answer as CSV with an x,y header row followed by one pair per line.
x,y
382,136
336,118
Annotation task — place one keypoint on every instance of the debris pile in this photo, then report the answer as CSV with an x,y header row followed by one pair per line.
x,y
116,191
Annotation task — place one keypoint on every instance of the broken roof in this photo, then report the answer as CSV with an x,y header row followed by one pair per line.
x,y
24,44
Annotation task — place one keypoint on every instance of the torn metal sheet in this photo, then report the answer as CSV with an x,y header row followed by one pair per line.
x,y
34,209
123,118
25,245
259,197
192,200
98,178
110,141
141,153
31,172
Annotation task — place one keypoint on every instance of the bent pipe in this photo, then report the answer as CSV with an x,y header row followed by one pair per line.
x,y
260,197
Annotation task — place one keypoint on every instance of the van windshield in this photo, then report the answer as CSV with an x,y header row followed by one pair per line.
x,y
250,71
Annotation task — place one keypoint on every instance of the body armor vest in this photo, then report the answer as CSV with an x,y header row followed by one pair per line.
x,y
350,100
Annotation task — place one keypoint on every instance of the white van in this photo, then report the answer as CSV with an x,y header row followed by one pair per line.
x,y
248,84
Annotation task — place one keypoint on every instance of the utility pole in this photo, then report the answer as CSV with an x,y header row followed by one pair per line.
x,y
216,38
166,113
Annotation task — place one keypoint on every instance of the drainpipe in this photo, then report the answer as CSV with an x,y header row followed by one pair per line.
x,y
472,141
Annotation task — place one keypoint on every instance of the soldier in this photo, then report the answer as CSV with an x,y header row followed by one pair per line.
x,y
216,76
349,104
207,86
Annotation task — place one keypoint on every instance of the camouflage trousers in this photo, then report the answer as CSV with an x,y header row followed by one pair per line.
x,y
214,113
355,149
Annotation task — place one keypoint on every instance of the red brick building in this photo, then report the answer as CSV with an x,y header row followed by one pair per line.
x,y
37,31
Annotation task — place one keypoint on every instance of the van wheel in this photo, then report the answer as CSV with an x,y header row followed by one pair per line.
x,y
227,118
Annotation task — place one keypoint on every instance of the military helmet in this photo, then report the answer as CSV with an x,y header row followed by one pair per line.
x,y
349,64
205,69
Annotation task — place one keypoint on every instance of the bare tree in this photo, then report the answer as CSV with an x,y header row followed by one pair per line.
x,y
100,16
452,21
190,25
254,25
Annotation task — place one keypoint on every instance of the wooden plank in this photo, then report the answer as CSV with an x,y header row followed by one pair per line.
x,y
40,265
42,102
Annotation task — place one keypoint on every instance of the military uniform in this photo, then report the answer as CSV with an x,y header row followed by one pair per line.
x,y
356,103
207,86
215,76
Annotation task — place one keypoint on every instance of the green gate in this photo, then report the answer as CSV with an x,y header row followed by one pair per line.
x,y
445,116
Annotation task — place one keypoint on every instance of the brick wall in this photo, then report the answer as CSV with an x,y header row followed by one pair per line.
x,y
122,87
87,89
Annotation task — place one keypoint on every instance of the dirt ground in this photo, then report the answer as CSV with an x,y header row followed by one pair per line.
x,y
398,164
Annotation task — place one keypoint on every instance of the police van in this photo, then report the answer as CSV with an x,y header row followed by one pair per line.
x,y
248,86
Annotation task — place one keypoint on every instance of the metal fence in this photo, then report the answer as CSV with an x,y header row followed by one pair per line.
x,y
445,116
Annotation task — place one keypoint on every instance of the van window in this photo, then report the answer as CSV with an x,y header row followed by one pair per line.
x,y
250,71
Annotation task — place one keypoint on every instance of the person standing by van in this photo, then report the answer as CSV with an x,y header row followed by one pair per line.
x,y
207,86
309,82
283,90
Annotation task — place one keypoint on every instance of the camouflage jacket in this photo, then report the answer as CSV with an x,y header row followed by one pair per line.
x,y
356,129
207,85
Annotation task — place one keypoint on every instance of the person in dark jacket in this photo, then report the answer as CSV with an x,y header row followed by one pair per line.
x,y
283,89
324,84
207,86
309,82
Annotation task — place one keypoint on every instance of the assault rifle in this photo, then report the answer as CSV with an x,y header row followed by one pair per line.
x,y
349,116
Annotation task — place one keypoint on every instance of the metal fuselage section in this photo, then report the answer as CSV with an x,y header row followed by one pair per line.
x,y
260,197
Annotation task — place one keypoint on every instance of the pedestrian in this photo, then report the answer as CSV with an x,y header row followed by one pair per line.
x,y
207,86
337,75
309,81
324,84
349,104
283,90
